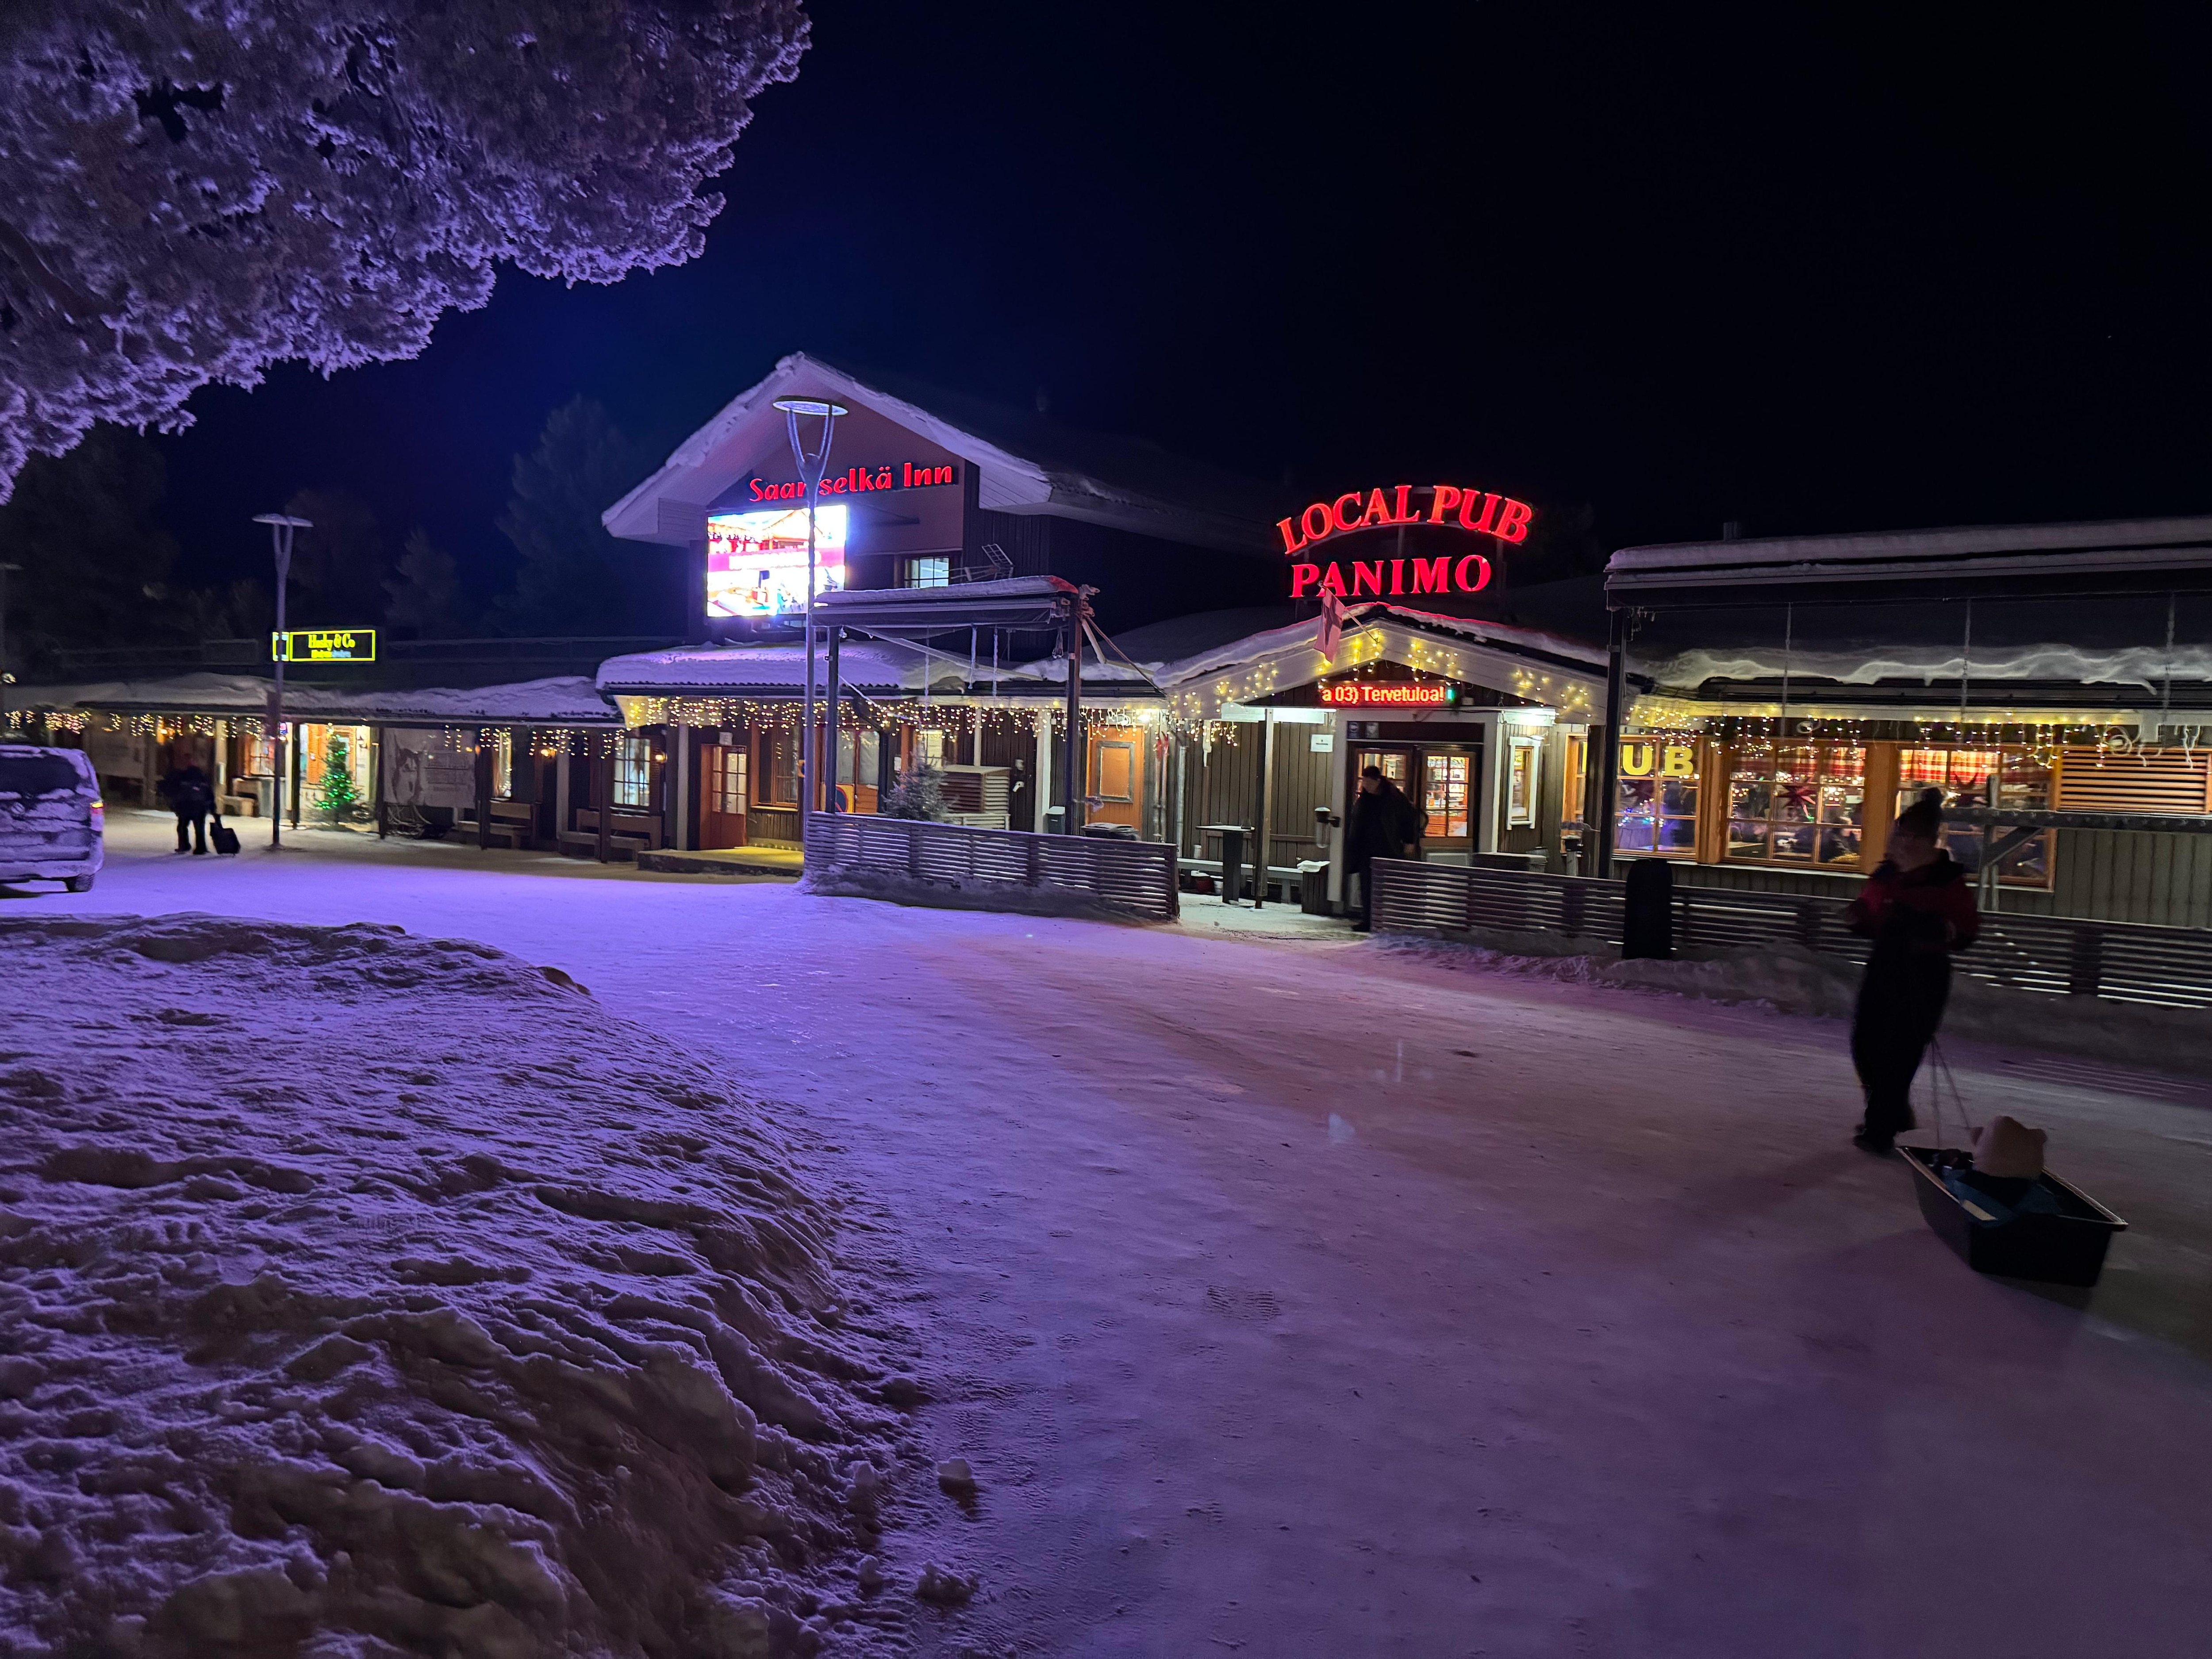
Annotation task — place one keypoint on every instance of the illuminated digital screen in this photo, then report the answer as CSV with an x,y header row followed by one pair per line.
x,y
757,561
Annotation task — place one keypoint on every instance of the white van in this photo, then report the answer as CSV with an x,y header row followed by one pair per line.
x,y
52,823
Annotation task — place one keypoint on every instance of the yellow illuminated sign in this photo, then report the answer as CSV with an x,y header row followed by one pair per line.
x,y
324,644
1640,757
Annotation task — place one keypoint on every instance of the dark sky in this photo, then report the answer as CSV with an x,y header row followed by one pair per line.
x,y
1814,267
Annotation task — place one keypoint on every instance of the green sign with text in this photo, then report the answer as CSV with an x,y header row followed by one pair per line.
x,y
324,644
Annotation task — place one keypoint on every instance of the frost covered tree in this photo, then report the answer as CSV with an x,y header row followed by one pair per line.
x,y
85,533
192,191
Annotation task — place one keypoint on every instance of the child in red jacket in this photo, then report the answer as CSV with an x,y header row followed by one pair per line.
x,y
1918,908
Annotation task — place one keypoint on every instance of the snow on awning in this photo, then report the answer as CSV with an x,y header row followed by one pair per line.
x,y
563,700
879,667
2125,555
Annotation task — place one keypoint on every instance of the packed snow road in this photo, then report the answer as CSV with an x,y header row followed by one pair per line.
x,y
1302,1297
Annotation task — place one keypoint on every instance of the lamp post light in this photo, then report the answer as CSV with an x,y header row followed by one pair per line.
x,y
281,526
811,469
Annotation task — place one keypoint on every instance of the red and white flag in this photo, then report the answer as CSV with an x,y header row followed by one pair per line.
x,y
1331,626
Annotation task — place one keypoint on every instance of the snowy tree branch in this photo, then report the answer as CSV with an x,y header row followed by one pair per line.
x,y
264,181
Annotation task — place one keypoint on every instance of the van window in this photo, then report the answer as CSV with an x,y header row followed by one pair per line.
x,y
37,775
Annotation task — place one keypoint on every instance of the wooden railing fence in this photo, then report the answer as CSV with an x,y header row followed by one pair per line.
x,y
1137,876
2123,961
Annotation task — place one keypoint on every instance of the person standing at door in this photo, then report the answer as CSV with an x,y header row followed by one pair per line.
x,y
190,795
1918,909
1383,825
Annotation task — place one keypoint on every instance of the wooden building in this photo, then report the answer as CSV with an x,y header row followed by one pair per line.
x,y
1782,700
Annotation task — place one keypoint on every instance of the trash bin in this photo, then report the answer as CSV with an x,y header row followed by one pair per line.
x,y
1312,887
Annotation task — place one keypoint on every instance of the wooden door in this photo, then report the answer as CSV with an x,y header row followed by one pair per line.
x,y
1117,776
723,769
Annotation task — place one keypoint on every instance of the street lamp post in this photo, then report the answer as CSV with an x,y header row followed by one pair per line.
x,y
811,469
281,526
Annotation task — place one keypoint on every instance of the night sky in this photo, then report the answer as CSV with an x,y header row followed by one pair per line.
x,y
1811,267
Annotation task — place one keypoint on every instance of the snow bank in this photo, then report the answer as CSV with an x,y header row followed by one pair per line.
x,y
378,1293
1795,981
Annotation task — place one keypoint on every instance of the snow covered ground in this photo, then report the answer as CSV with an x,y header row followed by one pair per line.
x,y
1291,1295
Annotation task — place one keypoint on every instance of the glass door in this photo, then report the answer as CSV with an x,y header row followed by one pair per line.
x,y
1446,780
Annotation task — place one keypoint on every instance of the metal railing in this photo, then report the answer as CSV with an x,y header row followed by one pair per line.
x,y
1137,876
2124,962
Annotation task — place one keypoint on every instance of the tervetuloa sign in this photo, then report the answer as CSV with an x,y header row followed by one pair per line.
x,y
1449,507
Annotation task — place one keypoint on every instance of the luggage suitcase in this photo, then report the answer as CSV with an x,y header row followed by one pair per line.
x,y
224,837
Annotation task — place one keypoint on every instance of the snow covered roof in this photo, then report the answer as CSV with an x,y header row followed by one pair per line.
x,y
1024,463
563,700
2147,668
2175,551
882,667
1524,662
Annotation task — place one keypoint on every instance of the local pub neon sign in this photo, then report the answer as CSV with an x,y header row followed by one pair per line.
x,y
1481,512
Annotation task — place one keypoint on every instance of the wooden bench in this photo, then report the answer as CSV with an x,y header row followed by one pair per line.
x,y
585,844
631,826
513,823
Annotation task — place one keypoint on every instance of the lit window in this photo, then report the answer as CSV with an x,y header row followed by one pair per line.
x,y
1799,804
1982,777
933,572
1658,796
634,772
727,784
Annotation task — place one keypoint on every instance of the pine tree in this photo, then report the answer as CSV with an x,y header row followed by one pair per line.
x,y
426,595
574,578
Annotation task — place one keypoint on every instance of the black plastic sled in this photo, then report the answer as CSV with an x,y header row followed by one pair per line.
x,y
2052,1233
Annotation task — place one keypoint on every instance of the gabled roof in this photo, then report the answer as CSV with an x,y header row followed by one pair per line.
x,y
1025,464
879,667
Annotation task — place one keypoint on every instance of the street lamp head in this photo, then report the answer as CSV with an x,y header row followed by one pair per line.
x,y
809,406
284,518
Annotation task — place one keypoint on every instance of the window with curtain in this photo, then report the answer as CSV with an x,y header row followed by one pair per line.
x,y
779,772
1981,777
1799,804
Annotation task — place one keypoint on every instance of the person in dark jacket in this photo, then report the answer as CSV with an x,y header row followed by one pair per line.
x,y
1383,825
190,796
1918,908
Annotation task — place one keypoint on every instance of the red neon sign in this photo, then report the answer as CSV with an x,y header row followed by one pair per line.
x,y
1389,577
1387,694
1450,505
910,476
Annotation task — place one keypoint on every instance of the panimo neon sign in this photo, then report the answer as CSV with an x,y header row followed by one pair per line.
x,y
1446,506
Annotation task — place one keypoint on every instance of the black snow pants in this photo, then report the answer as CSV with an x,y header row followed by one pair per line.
x,y
197,821
1900,1005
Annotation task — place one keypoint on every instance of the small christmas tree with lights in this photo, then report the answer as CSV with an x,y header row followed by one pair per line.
x,y
337,794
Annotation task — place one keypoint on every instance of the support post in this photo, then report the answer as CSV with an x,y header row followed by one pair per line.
x,y
1072,783
298,772
603,792
833,767
1040,791
483,792
1604,809
680,734
1265,822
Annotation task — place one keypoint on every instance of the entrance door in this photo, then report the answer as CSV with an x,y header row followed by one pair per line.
x,y
1117,776
1447,797
722,769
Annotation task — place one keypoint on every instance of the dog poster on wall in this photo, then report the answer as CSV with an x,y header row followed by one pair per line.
x,y
423,768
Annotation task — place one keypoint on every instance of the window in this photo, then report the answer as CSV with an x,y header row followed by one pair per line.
x,y
779,773
503,764
1796,803
1525,756
933,572
1571,787
1658,811
725,781
1444,796
634,773
929,749
1391,763
1981,777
